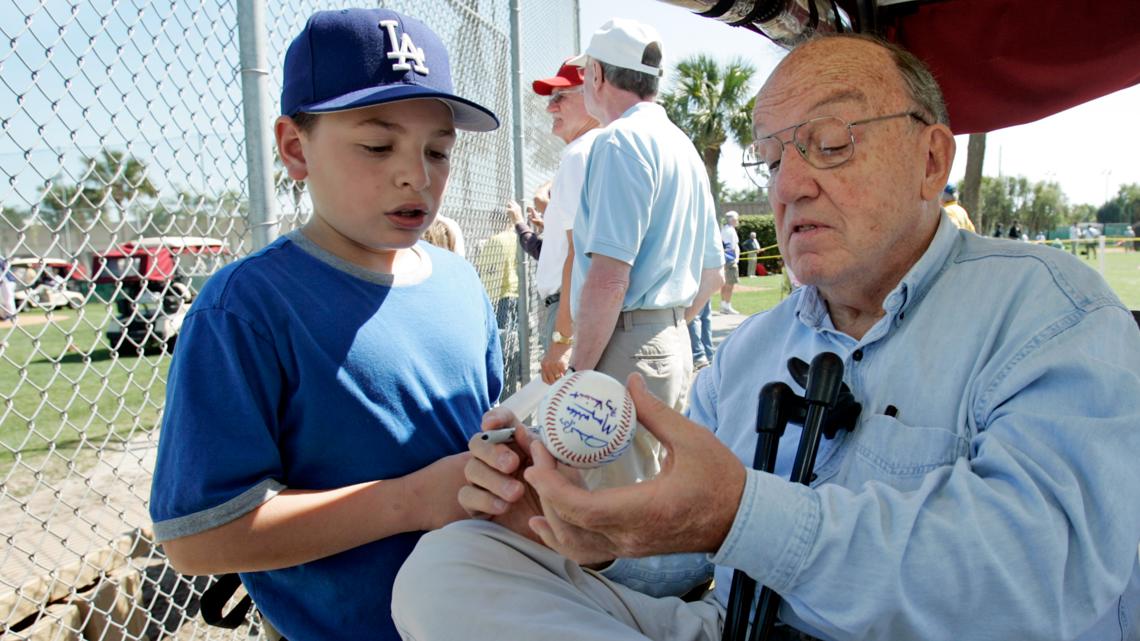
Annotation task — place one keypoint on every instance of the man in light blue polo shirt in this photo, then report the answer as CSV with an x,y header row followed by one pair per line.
x,y
646,244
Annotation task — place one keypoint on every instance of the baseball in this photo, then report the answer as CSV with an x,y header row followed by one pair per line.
x,y
587,419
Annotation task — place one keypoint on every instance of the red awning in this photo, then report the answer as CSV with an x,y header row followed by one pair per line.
x,y
1007,62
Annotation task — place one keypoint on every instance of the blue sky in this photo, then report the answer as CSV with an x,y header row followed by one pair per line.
x,y
1090,149
140,84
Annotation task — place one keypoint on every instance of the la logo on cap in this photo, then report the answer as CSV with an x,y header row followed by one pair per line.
x,y
406,49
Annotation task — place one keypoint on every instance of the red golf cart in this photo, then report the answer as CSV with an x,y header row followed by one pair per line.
x,y
155,280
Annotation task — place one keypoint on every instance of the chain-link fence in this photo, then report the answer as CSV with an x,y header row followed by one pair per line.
x,y
122,142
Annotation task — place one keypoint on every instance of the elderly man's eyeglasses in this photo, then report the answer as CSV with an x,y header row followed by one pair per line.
x,y
825,143
558,94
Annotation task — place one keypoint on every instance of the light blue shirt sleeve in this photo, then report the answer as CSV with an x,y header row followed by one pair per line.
x,y
622,197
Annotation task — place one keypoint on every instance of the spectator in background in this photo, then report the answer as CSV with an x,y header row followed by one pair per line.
x,y
530,228
1091,242
750,250
731,241
498,269
455,233
573,124
956,212
440,235
1130,239
999,231
1015,230
7,292
647,250
529,237
700,335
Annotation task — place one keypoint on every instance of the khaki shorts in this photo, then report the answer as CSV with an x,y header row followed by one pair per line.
x,y
731,273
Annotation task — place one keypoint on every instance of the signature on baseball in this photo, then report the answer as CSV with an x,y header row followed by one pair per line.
x,y
585,407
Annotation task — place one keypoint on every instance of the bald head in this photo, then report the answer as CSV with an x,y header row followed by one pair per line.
x,y
870,65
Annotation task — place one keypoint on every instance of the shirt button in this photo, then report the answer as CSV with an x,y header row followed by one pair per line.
x,y
857,355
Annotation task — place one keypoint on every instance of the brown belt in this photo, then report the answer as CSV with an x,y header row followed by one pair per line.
x,y
670,316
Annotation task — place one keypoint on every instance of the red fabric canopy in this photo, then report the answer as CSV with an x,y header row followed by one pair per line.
x,y
1007,62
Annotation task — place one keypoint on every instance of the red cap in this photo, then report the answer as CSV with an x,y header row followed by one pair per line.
x,y
567,76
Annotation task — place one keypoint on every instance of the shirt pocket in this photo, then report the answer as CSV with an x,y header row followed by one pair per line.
x,y
899,455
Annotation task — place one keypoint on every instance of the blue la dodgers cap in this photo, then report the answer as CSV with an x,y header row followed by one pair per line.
x,y
355,58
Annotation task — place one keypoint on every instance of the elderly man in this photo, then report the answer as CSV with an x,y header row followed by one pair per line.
x,y
577,128
731,242
646,245
988,490
954,210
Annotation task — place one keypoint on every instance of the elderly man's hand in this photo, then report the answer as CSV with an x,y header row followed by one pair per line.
x,y
495,488
688,507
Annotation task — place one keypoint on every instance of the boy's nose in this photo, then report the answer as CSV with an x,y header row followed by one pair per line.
x,y
414,174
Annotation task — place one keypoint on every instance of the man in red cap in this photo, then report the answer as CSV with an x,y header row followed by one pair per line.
x,y
571,123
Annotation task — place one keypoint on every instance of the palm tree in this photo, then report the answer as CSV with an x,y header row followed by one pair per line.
x,y
712,104
117,177
65,204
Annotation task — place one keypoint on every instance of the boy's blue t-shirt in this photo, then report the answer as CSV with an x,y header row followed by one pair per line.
x,y
295,369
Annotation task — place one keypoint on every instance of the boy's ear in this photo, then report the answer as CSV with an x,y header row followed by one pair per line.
x,y
289,147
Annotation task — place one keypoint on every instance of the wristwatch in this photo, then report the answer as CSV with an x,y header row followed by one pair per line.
x,y
561,339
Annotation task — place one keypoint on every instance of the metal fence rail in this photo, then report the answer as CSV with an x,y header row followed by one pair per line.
x,y
123,144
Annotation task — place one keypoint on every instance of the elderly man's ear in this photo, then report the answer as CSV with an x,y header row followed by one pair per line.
x,y
940,147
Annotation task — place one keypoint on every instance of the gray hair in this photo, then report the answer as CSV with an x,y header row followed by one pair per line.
x,y
641,84
917,77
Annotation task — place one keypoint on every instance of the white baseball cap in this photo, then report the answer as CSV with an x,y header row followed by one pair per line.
x,y
731,214
622,43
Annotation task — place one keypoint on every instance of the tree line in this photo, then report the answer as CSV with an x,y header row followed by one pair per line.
x,y
115,189
1042,206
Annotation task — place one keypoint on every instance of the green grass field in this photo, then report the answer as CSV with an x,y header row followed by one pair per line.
x,y
61,388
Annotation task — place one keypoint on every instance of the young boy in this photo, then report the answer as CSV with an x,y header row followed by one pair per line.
x,y
310,432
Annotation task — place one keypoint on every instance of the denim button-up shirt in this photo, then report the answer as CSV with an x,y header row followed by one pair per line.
x,y
1002,501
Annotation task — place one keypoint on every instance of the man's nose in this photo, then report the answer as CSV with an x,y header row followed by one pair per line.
x,y
796,178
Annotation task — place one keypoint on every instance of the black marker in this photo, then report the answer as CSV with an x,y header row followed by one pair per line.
x,y
891,411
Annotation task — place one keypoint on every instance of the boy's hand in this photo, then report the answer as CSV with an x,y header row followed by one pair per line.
x,y
436,492
689,507
495,487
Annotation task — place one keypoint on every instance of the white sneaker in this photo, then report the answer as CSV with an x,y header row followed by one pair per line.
x,y
727,308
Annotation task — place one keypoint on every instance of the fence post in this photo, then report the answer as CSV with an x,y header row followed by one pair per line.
x,y
523,312
254,102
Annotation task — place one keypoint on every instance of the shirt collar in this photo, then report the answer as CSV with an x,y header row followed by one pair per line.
x,y
811,309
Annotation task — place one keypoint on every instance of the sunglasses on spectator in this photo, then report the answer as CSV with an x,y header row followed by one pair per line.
x,y
557,95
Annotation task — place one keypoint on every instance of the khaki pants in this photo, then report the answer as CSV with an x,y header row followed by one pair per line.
x,y
475,580
654,343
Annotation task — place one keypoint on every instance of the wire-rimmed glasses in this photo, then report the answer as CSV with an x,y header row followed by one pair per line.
x,y
825,143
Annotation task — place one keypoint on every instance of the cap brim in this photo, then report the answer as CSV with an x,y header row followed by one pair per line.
x,y
469,116
546,86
